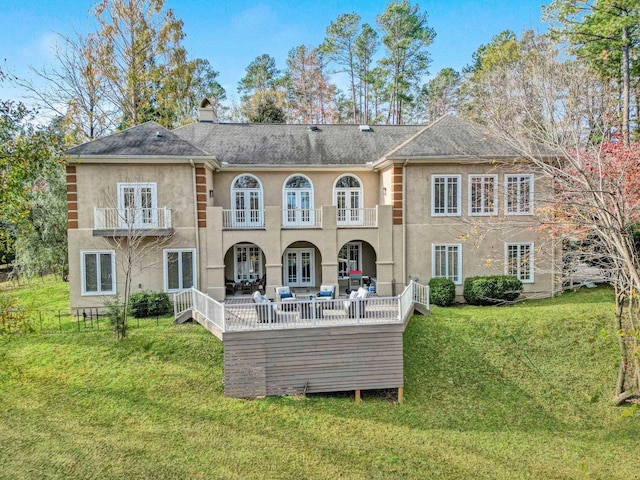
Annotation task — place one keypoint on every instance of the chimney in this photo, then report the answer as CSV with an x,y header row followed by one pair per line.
x,y
207,112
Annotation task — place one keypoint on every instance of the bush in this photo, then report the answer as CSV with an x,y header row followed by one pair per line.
x,y
149,304
491,290
442,291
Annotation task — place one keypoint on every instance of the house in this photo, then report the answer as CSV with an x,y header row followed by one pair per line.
x,y
218,206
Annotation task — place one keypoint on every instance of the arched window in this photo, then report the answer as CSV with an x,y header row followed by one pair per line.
x,y
347,197
298,202
246,202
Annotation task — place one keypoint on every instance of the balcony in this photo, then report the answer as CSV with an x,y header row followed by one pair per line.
x,y
243,219
357,217
138,222
302,218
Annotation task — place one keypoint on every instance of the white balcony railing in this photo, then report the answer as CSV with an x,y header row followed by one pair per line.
x,y
357,217
302,218
242,219
131,218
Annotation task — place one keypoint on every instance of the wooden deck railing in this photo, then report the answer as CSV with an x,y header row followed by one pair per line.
x,y
302,312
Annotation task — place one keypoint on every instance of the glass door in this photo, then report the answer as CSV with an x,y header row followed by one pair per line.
x,y
299,267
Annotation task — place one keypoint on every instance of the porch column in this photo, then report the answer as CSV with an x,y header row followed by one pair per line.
x,y
385,261
273,249
214,275
329,247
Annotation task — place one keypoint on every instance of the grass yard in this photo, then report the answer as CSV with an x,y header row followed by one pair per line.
x,y
497,393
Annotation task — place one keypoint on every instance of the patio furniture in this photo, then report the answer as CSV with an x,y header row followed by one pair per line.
x,y
230,285
265,309
285,293
327,292
355,306
310,309
355,279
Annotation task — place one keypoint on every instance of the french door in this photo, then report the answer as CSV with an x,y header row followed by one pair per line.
x,y
247,208
299,211
348,206
299,267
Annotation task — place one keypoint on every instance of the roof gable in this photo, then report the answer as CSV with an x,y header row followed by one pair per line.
x,y
147,139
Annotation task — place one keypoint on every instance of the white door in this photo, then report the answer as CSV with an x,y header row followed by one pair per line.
x,y
248,210
299,211
137,203
299,267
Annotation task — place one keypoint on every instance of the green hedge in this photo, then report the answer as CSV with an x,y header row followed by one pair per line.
x,y
149,304
491,290
442,291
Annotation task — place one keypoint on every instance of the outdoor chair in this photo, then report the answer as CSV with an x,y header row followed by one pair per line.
x,y
265,309
355,306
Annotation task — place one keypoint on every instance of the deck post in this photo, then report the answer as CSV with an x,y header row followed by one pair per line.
x,y
358,396
400,395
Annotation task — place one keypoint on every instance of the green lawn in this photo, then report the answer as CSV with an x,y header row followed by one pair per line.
x,y
510,392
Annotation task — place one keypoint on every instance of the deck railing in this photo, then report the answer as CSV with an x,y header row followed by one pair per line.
x,y
193,299
131,218
357,217
242,219
302,218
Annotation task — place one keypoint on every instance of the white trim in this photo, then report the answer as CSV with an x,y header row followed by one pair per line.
x,y
165,266
139,220
531,182
236,268
358,246
458,273
518,274
458,179
250,216
298,210
483,213
83,285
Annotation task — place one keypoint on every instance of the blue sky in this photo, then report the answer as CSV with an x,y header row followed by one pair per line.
x,y
230,34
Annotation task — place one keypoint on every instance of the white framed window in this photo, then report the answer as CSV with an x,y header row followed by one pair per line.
x,y
445,195
179,269
518,194
247,263
519,261
447,261
483,195
246,202
298,201
98,270
138,205
349,258
348,199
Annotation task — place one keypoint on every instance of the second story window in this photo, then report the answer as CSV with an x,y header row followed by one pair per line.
x,y
483,195
298,201
246,202
137,205
445,195
347,196
519,194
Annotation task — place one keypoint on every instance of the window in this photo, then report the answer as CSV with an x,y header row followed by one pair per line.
x,y
247,262
179,269
519,261
483,198
138,204
349,258
98,272
447,262
519,194
298,201
445,195
347,197
246,200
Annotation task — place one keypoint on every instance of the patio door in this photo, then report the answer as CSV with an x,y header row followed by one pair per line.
x,y
299,267
248,210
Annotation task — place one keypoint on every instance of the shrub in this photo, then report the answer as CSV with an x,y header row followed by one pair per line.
x,y
14,318
149,304
442,291
491,290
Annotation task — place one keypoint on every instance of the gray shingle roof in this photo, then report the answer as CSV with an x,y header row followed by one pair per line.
x,y
271,144
451,136
147,139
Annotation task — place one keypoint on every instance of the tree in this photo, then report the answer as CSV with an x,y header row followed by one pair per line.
x,y
261,75
557,114
440,95
264,107
340,47
312,95
406,37
597,27
366,44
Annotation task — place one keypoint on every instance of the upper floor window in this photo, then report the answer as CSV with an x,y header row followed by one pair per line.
x,y
298,201
246,202
137,205
445,195
518,194
483,195
347,197
519,261
447,262
98,270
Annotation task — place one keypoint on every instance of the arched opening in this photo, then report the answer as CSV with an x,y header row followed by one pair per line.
x,y
357,264
298,201
244,268
246,202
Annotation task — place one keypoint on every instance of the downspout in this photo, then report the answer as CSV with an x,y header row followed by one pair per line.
x,y
195,216
404,223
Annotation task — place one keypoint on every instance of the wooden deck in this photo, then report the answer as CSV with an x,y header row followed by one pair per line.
x,y
307,346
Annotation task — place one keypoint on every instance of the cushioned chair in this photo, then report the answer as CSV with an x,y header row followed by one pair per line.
x,y
327,292
284,293
264,308
355,306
